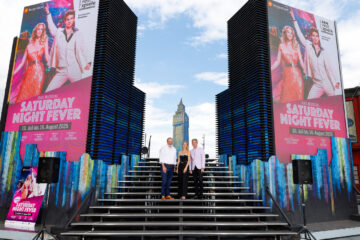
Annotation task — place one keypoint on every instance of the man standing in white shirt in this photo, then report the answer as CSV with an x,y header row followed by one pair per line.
x,y
197,166
168,160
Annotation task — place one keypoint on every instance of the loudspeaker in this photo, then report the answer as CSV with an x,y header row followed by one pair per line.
x,y
48,170
302,171
144,150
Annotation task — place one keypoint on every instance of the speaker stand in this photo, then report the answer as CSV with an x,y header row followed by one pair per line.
x,y
304,230
41,234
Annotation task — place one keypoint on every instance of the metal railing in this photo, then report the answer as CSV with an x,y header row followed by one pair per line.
x,y
356,190
92,191
283,214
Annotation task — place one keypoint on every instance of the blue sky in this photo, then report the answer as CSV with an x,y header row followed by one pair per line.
x,y
182,53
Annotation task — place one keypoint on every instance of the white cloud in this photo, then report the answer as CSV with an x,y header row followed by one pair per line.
x,y
211,16
155,90
201,121
158,125
331,9
158,121
220,78
2,94
349,33
222,55
141,28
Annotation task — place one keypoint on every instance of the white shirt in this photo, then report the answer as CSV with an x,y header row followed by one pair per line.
x,y
65,53
167,155
316,66
197,158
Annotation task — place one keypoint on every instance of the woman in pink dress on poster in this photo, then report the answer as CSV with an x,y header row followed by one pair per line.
x,y
34,76
289,55
26,188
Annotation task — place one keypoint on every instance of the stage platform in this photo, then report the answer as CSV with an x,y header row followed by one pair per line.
x,y
337,230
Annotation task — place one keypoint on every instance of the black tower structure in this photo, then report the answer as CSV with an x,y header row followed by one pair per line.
x,y
136,121
8,84
249,94
224,123
116,107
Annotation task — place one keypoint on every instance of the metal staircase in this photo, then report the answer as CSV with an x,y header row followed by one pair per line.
x,y
134,210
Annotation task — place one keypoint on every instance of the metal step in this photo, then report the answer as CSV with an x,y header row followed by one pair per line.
x,y
175,176
212,167
158,163
157,159
180,223
143,200
208,165
183,215
140,208
177,207
176,233
234,214
190,181
175,187
174,194
157,171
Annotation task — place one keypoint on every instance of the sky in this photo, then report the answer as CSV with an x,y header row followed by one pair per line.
x,y
182,53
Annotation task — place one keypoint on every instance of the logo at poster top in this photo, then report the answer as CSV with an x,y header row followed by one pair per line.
x,y
325,27
86,4
17,200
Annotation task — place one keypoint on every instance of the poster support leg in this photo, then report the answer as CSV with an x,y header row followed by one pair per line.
x,y
41,233
304,230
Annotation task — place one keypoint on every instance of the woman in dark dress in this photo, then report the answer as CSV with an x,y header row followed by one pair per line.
x,y
183,170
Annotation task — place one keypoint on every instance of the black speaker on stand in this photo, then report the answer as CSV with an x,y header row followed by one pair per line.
x,y
144,152
48,172
302,174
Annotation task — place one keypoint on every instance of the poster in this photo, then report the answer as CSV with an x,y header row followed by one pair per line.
x,y
51,83
349,105
27,200
308,105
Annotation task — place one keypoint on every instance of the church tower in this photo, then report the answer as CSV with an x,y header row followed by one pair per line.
x,y
180,127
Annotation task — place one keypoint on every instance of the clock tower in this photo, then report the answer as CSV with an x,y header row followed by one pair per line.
x,y
180,127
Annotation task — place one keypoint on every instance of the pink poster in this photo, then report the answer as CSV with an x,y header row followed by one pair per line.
x,y
302,127
27,200
308,104
51,83
55,121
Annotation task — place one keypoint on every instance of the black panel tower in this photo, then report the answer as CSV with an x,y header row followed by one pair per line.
x,y
249,85
116,107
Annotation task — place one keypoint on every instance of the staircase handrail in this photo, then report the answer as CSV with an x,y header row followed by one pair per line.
x,y
356,190
267,190
80,207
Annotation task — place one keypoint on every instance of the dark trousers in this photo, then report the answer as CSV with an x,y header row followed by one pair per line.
x,y
198,181
183,178
166,179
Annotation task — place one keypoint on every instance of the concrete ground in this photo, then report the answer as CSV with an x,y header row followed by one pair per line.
x,y
336,230
349,238
339,230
